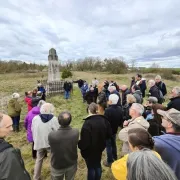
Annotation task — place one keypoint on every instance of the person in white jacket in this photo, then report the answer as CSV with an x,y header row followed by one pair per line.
x,y
136,121
42,125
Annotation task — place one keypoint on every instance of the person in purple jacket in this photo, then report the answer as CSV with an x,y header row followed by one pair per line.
x,y
28,122
168,145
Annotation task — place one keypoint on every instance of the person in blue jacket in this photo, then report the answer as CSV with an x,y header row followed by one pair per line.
x,y
84,89
43,91
168,145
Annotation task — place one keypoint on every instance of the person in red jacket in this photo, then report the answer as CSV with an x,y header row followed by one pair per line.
x,y
28,100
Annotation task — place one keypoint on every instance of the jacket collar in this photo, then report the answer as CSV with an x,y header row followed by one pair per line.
x,y
175,133
65,128
177,97
113,105
94,115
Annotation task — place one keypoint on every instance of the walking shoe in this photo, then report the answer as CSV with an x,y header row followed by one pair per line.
x,y
105,163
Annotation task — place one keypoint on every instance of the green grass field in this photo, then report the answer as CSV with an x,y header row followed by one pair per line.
x,y
24,82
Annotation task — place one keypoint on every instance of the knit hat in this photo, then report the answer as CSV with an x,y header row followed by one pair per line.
x,y
173,115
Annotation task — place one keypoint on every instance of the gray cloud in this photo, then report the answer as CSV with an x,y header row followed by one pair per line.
x,y
148,31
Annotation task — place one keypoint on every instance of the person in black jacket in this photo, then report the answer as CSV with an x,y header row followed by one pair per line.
x,y
67,89
130,100
133,81
160,85
11,162
125,91
114,115
141,83
80,83
90,95
154,90
94,133
175,100
112,90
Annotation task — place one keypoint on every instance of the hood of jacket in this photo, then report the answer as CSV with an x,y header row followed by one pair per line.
x,y
35,110
170,140
138,92
12,101
46,117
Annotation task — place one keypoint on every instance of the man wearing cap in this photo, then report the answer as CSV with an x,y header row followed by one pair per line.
x,y
114,115
168,145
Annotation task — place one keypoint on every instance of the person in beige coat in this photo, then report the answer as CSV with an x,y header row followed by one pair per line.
x,y
136,121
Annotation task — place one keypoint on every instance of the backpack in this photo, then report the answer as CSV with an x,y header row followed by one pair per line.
x,y
161,97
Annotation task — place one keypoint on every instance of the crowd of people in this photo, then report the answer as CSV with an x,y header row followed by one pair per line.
x,y
149,132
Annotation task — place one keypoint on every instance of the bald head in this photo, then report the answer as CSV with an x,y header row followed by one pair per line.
x,y
5,125
123,87
65,119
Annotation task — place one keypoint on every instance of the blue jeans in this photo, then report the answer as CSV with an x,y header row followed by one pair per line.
x,y
66,94
111,149
16,120
94,172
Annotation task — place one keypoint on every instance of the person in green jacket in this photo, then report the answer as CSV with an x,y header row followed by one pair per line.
x,y
14,111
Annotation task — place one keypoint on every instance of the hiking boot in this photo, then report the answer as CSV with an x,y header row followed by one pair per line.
x,y
105,163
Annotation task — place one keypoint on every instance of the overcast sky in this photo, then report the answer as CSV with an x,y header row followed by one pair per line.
x,y
145,30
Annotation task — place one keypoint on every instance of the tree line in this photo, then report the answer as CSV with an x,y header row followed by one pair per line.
x,y
18,66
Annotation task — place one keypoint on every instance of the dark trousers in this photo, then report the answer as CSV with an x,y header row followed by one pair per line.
x,y
94,171
66,94
33,151
111,149
16,120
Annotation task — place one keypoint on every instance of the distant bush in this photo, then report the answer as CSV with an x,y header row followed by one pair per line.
x,y
167,74
112,65
66,73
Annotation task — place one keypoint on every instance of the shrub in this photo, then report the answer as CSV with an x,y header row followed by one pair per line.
x,y
66,73
168,74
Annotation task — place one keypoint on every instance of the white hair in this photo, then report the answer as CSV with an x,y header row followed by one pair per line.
x,y
47,108
152,82
15,96
158,77
114,98
41,102
152,168
177,90
138,108
111,88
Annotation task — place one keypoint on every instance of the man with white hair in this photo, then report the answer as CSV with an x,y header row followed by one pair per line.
x,y
175,100
154,90
11,162
161,85
114,115
42,125
113,90
136,121
14,111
